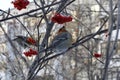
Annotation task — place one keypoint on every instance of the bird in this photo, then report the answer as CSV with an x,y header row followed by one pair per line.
x,y
24,41
62,41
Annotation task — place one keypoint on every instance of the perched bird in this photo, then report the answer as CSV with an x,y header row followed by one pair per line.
x,y
24,41
62,41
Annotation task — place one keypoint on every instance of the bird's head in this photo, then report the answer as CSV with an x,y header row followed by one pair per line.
x,y
18,38
63,29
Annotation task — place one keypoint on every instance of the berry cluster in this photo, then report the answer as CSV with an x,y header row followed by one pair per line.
x,y
30,53
60,19
97,55
20,4
31,41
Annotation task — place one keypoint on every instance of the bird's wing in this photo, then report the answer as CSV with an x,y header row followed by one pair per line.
x,y
58,39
